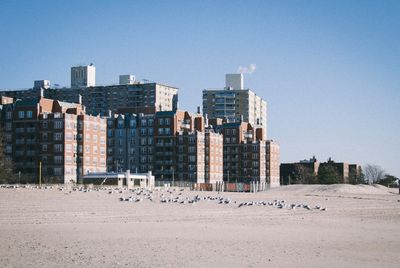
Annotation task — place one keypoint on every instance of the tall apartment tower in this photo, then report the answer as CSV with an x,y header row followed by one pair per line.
x,y
235,104
83,76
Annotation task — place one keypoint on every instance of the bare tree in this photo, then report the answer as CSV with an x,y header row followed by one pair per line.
x,y
373,173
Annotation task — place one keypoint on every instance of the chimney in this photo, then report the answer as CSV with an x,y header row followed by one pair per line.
x,y
259,134
199,123
80,99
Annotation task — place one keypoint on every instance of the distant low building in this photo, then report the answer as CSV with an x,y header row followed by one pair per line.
x,y
306,171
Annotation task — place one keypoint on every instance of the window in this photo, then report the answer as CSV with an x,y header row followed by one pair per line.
x,y
167,121
143,131
167,131
160,131
8,148
8,126
58,124
9,115
58,136
143,122
44,136
57,159
57,171
28,114
58,148
150,132
161,121
21,114
44,147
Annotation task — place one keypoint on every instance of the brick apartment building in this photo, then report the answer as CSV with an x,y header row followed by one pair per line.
x,y
184,147
174,145
144,131
58,135
130,142
247,156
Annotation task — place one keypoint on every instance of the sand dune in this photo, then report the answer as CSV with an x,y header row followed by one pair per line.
x,y
52,228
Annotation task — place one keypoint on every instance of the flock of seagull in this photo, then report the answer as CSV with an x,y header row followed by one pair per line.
x,y
174,196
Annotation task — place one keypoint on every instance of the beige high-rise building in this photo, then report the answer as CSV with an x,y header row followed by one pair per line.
x,y
235,104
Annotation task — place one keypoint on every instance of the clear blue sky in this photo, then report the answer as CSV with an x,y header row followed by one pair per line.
x,y
329,70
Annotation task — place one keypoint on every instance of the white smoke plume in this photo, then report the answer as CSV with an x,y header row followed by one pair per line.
x,y
247,70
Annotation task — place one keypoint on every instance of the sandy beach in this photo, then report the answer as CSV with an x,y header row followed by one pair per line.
x,y
53,228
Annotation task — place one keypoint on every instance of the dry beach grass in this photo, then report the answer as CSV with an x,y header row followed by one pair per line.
x,y
53,228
